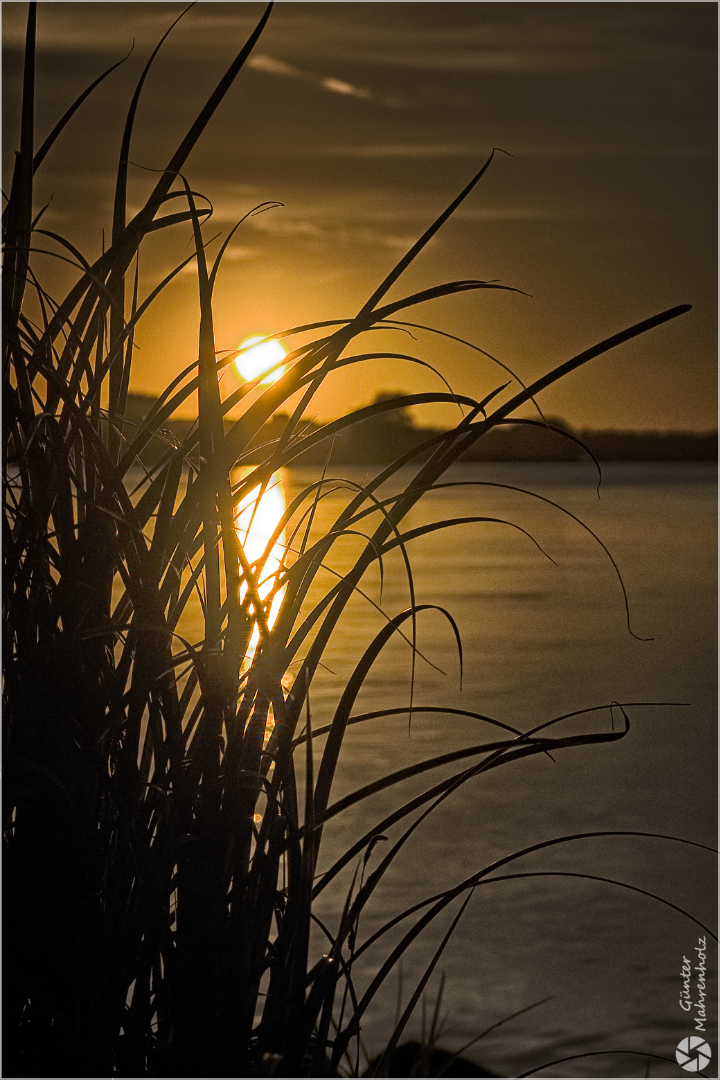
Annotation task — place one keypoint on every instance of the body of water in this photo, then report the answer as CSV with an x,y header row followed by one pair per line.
x,y
542,639
544,634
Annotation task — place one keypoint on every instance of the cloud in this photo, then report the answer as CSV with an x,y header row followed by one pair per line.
x,y
271,66
520,213
231,255
407,150
534,150
322,232
336,86
241,254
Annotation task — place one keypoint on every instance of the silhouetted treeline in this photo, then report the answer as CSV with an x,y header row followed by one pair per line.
x,y
651,446
382,438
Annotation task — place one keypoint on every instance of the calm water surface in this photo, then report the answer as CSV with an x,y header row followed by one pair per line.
x,y
542,639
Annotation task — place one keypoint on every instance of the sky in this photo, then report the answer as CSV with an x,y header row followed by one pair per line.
x,y
365,120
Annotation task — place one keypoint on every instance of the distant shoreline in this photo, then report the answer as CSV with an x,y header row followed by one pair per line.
x,y
383,438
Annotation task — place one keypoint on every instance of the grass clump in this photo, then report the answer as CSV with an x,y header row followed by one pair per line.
x,y
161,850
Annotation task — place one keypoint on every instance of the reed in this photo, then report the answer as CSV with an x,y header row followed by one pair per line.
x,y
161,840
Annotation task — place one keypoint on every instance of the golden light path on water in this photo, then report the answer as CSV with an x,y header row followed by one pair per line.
x,y
257,517
259,511
256,520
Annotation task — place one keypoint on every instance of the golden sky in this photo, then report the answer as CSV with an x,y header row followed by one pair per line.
x,y
365,120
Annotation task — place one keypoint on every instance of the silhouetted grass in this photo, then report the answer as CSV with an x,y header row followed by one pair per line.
x,y
161,867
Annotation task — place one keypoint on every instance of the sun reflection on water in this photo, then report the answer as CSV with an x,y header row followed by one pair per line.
x,y
257,517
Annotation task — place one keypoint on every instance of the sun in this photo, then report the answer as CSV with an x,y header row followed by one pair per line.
x,y
263,355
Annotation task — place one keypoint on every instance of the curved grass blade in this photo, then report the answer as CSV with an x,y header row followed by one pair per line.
x,y
69,113
476,879
505,752
599,1053
361,717
505,1020
609,881
418,246
337,729
470,345
415,997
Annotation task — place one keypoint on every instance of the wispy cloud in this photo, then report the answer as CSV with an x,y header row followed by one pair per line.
x,y
231,255
323,232
271,66
407,150
535,150
241,254
336,86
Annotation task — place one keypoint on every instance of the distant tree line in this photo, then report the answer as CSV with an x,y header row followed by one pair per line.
x,y
381,438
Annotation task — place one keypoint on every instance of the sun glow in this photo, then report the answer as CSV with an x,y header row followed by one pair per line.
x,y
261,357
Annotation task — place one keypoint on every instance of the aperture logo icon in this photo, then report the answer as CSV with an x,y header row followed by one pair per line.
x,y
693,1054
